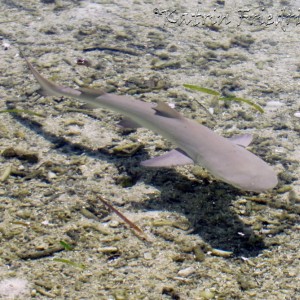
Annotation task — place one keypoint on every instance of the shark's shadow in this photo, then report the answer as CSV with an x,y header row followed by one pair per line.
x,y
207,205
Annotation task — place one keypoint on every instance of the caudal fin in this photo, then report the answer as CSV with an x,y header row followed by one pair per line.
x,y
50,88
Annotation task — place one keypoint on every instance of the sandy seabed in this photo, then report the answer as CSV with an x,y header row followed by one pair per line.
x,y
205,239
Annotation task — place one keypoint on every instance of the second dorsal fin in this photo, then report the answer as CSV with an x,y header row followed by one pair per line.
x,y
243,140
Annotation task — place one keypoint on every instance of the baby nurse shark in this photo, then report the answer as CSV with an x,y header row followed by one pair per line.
x,y
226,159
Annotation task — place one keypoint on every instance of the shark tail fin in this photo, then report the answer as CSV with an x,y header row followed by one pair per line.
x,y
49,88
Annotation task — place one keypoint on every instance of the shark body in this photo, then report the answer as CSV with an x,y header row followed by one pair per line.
x,y
226,159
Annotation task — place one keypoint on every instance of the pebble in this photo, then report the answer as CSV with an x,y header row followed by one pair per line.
x,y
108,249
148,256
186,272
207,294
51,175
114,224
297,114
6,45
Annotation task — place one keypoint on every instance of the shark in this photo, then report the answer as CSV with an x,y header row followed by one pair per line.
x,y
227,159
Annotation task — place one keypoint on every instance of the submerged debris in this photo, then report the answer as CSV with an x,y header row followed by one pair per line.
x,y
222,253
11,152
125,219
34,254
128,149
183,225
6,173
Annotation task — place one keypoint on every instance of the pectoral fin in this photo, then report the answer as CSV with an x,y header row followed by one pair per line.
x,y
128,123
175,157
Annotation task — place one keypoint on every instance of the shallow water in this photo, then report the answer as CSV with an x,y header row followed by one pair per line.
x,y
58,164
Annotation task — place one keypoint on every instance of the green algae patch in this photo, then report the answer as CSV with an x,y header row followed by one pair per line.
x,y
70,262
221,98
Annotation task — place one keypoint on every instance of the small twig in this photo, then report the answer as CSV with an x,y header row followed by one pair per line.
x,y
125,219
207,111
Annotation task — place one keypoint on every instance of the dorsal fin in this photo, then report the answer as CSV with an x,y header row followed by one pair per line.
x,y
92,92
165,110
